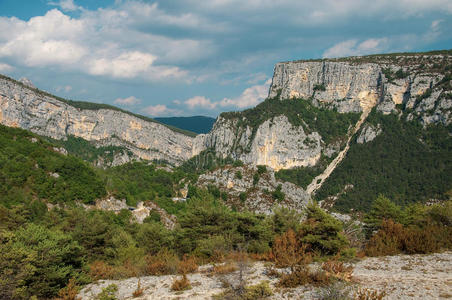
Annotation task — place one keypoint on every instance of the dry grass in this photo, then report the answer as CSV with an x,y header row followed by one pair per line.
x,y
368,294
225,268
139,291
187,265
182,284
338,270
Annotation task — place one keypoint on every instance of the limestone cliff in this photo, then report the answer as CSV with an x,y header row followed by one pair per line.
x,y
28,108
416,84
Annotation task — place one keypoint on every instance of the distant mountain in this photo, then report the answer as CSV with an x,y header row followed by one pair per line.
x,y
198,124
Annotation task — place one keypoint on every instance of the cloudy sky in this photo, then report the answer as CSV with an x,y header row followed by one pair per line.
x,y
198,57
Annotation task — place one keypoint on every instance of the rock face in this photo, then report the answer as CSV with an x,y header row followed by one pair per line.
x,y
21,106
276,143
419,83
244,192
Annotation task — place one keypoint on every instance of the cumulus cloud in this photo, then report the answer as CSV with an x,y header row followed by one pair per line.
x,y
249,97
66,5
129,101
159,110
97,43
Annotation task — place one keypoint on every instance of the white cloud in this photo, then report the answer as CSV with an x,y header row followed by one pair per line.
x,y
5,67
66,88
126,65
249,97
352,47
200,101
159,110
100,43
132,100
66,5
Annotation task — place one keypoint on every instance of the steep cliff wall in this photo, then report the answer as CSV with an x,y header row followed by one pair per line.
x,y
24,107
417,85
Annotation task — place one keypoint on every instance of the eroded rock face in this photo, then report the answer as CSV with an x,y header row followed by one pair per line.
x,y
340,84
389,83
276,143
23,107
256,196
368,134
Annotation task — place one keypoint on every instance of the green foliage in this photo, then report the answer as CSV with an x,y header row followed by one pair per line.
x,y
207,160
329,123
108,293
238,175
277,194
256,178
406,163
85,150
319,87
322,231
36,261
32,169
261,290
383,209
140,181
261,169
243,196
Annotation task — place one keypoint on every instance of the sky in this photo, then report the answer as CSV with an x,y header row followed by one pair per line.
x,y
198,57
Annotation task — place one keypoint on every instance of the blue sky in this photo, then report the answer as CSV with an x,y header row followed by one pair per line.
x,y
197,57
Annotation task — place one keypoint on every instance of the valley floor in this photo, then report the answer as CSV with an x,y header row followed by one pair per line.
x,y
400,276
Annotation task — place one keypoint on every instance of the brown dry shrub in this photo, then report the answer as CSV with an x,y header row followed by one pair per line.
x,y
181,284
337,269
417,240
187,265
100,270
368,294
226,268
387,240
299,276
139,291
393,238
287,251
164,262
69,292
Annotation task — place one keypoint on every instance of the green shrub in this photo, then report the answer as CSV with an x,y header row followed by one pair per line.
x,y
108,293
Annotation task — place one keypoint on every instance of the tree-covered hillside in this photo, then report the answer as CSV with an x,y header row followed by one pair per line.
x,y
406,163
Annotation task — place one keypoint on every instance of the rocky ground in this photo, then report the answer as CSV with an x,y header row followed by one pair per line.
x,y
401,277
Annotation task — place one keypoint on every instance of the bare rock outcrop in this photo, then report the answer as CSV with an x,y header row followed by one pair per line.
x,y
27,108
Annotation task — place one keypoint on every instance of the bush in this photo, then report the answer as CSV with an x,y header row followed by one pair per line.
x,y
322,232
100,270
165,262
258,291
387,241
187,265
182,284
394,238
108,293
277,194
301,275
287,251
69,292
